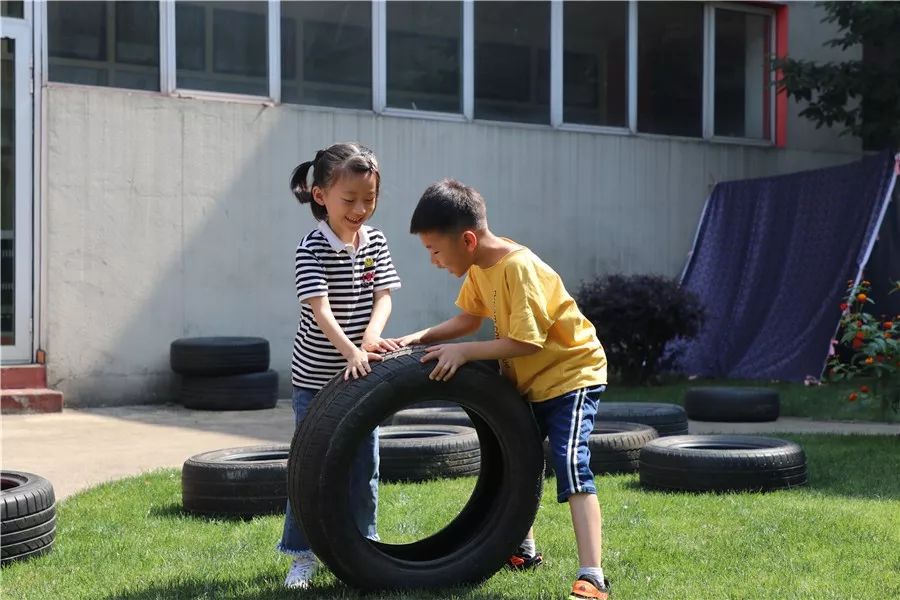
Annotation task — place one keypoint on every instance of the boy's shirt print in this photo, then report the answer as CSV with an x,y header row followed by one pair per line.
x,y
528,303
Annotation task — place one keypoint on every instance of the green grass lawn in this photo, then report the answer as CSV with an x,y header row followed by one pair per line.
x,y
828,401
839,537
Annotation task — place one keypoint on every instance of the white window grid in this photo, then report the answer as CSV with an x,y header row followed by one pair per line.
x,y
555,118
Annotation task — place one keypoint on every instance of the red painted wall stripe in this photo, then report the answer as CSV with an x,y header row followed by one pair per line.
x,y
781,98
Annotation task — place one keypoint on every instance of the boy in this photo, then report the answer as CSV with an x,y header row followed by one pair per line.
x,y
545,346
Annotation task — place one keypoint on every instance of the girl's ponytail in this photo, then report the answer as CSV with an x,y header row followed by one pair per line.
x,y
298,182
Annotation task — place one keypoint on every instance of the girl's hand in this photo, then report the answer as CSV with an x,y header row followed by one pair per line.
x,y
358,363
378,344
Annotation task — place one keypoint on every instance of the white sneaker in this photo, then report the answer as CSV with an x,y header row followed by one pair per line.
x,y
302,570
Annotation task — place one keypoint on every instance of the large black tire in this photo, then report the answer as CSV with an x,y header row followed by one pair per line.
x,y
476,543
425,452
217,356
27,516
251,391
666,419
615,447
752,405
718,463
239,482
439,415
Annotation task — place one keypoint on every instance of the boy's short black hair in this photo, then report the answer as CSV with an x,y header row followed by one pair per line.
x,y
449,206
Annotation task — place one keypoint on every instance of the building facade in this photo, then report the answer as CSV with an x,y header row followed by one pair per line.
x,y
147,148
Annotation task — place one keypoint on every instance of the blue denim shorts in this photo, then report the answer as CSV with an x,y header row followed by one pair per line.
x,y
568,422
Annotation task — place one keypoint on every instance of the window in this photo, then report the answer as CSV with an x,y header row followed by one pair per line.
x,y
222,47
670,68
512,61
424,56
695,69
8,201
12,8
326,53
104,43
595,63
742,81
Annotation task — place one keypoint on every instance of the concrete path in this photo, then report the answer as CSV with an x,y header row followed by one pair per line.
x,y
797,425
79,448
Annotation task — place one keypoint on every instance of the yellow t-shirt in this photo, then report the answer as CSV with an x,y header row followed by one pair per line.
x,y
528,302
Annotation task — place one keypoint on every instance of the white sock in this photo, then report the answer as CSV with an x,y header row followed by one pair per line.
x,y
595,572
528,547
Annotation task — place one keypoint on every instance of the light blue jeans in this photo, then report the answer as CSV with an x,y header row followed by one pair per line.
x,y
363,486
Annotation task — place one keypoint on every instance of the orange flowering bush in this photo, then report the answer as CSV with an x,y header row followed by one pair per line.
x,y
874,349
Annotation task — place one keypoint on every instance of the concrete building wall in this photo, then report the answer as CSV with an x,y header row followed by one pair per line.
x,y
806,36
172,217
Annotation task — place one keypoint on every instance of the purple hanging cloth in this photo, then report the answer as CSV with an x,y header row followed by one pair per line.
x,y
771,263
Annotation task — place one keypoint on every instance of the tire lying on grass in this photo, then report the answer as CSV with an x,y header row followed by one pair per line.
x,y
251,391
666,419
735,405
217,356
478,541
239,482
27,516
615,447
719,463
425,452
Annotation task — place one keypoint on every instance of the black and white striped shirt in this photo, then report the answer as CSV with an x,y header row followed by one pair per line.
x,y
326,266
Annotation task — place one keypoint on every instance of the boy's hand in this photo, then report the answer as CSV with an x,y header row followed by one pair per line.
x,y
358,363
378,344
410,339
450,357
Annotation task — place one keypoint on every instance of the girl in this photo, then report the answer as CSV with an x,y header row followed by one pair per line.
x,y
344,277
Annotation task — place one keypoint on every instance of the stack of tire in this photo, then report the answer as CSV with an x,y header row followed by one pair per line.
x,y
224,373
27,516
236,482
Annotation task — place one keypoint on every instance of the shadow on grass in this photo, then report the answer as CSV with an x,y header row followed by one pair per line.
x,y
254,589
176,510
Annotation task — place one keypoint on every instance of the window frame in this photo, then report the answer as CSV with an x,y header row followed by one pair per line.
x,y
467,66
168,74
557,100
109,65
167,70
709,73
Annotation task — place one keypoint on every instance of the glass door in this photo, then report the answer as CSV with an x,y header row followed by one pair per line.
x,y
16,205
